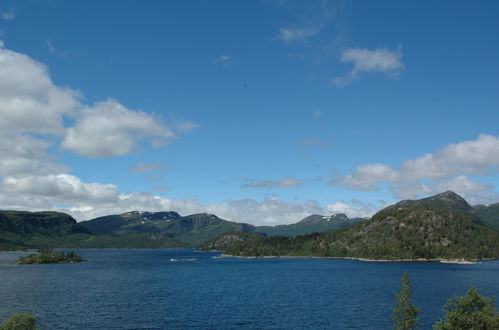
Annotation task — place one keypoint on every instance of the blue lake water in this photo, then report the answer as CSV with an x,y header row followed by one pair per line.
x,y
144,289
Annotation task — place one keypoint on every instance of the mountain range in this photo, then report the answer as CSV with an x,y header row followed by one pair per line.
x,y
139,229
424,228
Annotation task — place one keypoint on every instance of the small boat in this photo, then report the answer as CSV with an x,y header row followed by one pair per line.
x,y
173,260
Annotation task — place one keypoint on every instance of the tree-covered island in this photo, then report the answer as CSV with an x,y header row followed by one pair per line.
x,y
47,256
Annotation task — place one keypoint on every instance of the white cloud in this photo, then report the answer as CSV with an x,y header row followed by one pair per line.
x,y
23,154
31,103
354,209
29,100
296,34
109,129
446,169
380,60
141,167
60,188
269,184
9,14
461,184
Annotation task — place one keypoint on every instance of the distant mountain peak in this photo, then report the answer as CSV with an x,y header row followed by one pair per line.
x,y
449,194
317,218
452,198
446,200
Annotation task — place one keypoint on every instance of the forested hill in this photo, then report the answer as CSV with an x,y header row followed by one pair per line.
x,y
439,227
193,230
19,228
489,214
23,222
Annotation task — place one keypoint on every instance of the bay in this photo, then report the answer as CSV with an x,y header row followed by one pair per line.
x,y
172,289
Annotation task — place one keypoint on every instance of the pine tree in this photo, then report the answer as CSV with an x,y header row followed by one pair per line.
x,y
405,313
472,311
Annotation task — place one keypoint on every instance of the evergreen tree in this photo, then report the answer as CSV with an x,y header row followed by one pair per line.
x,y
21,321
405,313
472,311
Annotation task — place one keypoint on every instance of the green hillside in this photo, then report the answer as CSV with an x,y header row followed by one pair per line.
x,y
407,230
489,214
33,230
129,223
22,229
190,231
227,240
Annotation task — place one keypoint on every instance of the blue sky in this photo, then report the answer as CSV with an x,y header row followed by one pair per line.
x,y
257,111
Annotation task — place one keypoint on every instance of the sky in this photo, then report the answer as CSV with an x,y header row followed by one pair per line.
x,y
257,111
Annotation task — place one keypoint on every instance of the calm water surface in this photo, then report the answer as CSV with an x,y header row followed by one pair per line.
x,y
144,289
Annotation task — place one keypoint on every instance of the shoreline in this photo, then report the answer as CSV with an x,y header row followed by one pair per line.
x,y
458,261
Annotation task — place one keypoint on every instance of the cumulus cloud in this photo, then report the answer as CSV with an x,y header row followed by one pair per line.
x,y
60,188
141,167
109,129
23,154
29,101
296,34
380,60
446,169
269,184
